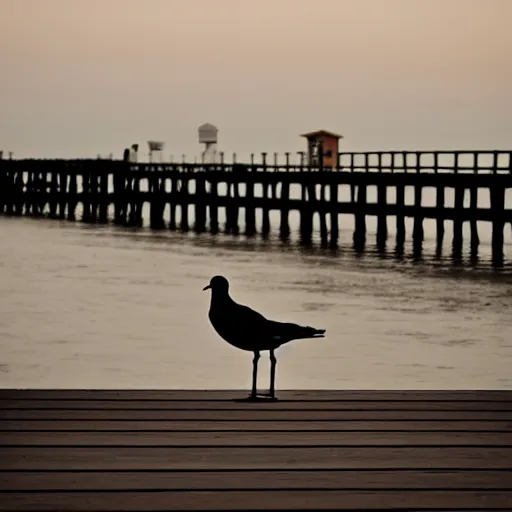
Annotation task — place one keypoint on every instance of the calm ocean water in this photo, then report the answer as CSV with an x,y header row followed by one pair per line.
x,y
99,306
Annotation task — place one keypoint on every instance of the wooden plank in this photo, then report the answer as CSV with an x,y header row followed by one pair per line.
x,y
202,395
249,415
278,457
292,405
244,438
258,500
212,480
259,426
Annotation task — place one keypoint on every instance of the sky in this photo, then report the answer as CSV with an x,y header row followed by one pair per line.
x,y
86,77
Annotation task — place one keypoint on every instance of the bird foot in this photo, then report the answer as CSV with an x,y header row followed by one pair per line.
x,y
261,397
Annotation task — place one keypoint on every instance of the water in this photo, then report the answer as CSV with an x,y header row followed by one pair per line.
x,y
106,307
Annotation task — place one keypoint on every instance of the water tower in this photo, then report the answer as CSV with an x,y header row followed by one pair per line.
x,y
208,137
155,146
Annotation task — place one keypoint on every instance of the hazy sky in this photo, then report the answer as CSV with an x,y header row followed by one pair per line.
x,y
81,77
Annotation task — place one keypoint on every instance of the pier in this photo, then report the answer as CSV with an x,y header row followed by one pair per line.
x,y
189,196
156,450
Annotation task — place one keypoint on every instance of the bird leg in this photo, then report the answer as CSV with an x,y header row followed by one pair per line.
x,y
255,373
273,362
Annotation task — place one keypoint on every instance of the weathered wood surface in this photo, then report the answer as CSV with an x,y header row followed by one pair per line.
x,y
311,499
274,414
261,457
186,395
150,450
257,438
256,479
283,405
254,426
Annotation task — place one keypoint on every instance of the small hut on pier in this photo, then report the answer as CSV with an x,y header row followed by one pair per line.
x,y
323,148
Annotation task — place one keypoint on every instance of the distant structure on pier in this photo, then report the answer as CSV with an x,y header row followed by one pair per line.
x,y
155,147
208,136
134,152
323,147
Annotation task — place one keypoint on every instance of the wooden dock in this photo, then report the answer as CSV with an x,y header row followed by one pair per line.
x,y
117,191
156,450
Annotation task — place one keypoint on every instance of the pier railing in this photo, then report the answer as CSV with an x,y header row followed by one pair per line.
x,y
463,161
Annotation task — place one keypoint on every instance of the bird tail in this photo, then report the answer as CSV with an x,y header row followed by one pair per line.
x,y
311,332
297,332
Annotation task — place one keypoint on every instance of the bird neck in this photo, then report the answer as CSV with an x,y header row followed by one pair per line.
x,y
220,297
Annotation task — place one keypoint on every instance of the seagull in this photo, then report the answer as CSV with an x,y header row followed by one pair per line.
x,y
246,329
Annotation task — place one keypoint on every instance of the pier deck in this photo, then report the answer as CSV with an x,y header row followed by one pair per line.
x,y
148,450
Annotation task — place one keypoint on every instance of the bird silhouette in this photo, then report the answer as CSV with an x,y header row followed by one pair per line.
x,y
246,329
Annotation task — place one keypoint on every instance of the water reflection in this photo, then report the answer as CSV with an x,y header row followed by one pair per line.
x,y
437,259
443,258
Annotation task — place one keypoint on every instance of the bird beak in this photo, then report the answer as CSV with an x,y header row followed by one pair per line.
x,y
206,288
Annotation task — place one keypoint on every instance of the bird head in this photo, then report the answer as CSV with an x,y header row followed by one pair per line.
x,y
218,283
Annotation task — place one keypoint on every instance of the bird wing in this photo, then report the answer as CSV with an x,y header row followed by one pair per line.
x,y
267,329
246,327
251,318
